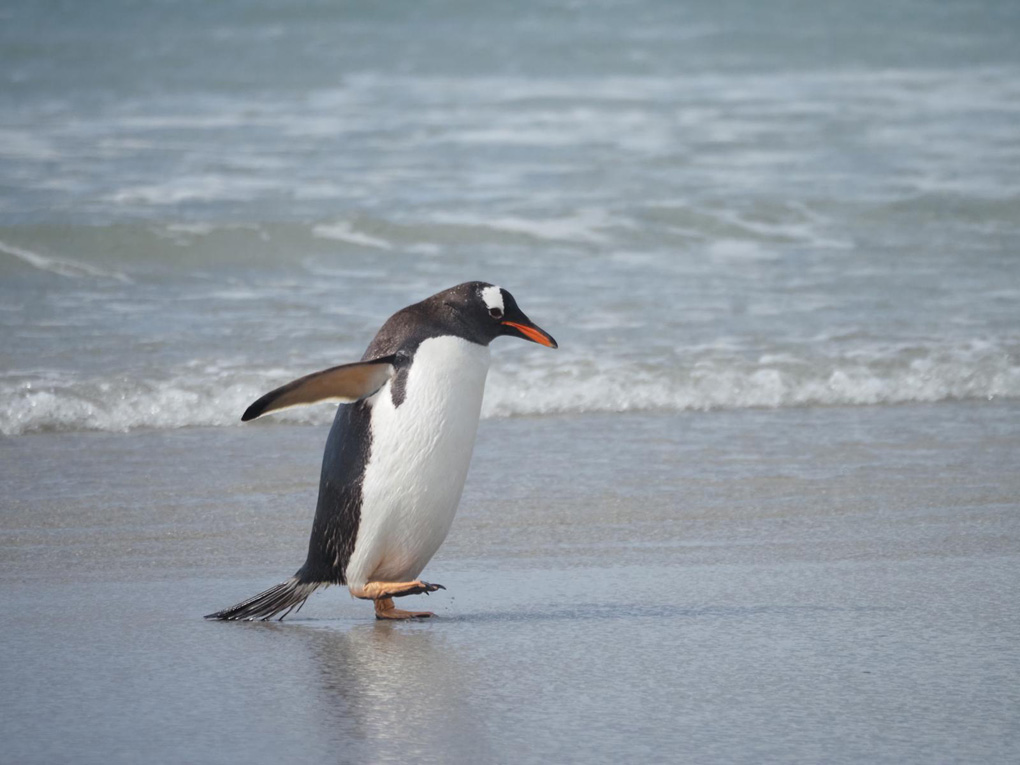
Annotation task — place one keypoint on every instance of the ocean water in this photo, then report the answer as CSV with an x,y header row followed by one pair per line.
x,y
711,206
761,505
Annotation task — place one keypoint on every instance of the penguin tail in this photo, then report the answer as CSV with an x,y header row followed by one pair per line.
x,y
284,597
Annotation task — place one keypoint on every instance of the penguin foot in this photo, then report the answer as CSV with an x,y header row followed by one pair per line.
x,y
384,610
381,590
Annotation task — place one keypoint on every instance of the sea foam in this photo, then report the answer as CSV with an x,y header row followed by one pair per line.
x,y
194,396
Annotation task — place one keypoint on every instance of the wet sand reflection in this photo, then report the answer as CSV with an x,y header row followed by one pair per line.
x,y
399,690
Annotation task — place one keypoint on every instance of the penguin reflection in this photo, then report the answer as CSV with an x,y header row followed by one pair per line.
x,y
404,693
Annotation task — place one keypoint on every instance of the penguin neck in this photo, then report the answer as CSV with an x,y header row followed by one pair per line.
x,y
440,365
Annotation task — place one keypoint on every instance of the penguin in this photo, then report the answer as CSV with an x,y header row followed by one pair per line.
x,y
398,452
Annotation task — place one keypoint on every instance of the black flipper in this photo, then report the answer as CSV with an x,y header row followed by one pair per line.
x,y
286,596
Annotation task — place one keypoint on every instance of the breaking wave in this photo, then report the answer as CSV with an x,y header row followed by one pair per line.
x,y
192,398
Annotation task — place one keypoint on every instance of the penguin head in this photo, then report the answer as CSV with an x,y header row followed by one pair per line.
x,y
486,312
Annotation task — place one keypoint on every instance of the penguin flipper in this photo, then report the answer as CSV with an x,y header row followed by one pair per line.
x,y
344,384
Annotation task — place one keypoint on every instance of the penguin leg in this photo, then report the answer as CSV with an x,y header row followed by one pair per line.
x,y
384,610
381,590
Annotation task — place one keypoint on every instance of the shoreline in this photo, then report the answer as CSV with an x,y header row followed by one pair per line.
x,y
711,584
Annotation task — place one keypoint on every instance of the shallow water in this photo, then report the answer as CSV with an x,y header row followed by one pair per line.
x,y
795,585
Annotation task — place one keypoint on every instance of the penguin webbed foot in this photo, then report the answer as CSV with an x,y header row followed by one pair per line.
x,y
384,610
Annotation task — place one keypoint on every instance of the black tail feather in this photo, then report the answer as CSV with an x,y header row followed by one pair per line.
x,y
286,596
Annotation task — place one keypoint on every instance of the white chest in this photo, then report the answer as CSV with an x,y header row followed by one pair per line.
x,y
418,461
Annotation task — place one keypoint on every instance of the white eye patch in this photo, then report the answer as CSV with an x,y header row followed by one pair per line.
x,y
493,298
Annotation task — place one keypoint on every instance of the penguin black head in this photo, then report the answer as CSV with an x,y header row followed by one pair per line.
x,y
483,312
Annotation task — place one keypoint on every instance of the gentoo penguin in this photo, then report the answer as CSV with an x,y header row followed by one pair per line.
x,y
398,453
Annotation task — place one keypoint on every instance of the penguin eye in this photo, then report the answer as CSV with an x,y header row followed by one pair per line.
x,y
496,313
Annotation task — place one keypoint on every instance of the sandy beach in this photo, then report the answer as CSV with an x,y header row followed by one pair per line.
x,y
800,585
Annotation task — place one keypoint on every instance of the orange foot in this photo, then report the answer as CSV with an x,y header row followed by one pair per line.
x,y
379,590
384,610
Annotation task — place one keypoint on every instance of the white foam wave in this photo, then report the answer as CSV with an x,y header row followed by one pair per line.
x,y
584,226
209,187
345,232
717,386
211,396
126,404
61,266
25,145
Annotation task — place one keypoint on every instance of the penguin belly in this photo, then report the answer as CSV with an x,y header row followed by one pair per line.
x,y
418,461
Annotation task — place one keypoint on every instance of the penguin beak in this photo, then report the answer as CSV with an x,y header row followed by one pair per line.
x,y
529,331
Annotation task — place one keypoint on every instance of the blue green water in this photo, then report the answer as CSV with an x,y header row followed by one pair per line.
x,y
715,205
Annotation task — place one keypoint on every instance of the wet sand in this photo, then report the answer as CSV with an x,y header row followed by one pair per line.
x,y
797,585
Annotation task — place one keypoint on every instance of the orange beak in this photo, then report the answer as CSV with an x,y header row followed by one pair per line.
x,y
533,333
